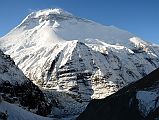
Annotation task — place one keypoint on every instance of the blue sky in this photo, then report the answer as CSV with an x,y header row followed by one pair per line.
x,y
141,17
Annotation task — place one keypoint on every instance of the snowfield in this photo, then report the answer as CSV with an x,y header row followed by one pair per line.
x,y
16,113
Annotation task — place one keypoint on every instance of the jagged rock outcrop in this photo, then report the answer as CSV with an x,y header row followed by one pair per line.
x,y
17,89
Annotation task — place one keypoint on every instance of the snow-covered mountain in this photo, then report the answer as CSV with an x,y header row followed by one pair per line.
x,y
137,101
78,57
17,89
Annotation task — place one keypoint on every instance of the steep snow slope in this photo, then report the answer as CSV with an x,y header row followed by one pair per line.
x,y
137,101
76,56
9,71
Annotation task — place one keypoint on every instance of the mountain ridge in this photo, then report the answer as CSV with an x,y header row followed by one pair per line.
x,y
138,100
17,89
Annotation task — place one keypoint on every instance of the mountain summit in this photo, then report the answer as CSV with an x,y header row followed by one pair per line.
x,y
77,57
69,27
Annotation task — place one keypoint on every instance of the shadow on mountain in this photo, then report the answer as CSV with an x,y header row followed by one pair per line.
x,y
128,103
17,89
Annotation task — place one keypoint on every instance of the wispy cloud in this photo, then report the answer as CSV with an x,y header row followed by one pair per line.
x,y
31,10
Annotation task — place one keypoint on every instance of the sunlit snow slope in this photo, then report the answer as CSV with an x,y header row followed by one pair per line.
x,y
62,52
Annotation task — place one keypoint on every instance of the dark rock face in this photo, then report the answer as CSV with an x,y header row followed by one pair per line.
x,y
15,88
124,104
3,116
26,95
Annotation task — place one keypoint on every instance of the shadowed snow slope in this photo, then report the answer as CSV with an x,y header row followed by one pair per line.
x,y
16,113
79,57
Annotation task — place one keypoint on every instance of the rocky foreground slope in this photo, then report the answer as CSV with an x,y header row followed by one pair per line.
x,y
137,101
77,59
17,89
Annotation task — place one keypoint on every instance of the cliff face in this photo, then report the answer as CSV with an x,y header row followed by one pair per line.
x,y
17,89
137,101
